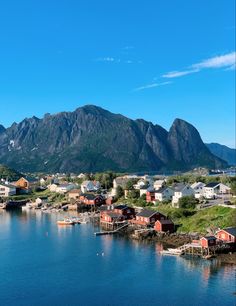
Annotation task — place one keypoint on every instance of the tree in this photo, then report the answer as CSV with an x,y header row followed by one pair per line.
x,y
119,192
130,184
133,194
188,202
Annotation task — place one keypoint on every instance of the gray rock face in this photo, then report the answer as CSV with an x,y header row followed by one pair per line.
x,y
93,139
223,152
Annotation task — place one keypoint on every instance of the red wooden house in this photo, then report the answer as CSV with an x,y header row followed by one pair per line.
x,y
150,196
91,199
110,217
164,226
227,235
124,210
148,217
208,241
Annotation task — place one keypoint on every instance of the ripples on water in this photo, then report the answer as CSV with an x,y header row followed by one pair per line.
x,y
43,264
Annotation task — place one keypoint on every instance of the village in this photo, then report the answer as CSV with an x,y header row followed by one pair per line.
x,y
130,205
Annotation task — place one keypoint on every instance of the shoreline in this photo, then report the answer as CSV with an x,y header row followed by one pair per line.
x,y
176,240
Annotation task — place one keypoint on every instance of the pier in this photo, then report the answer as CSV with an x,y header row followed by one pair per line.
x,y
111,232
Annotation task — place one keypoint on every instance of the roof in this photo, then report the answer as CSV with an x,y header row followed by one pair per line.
x,y
179,187
74,191
209,237
7,185
165,221
64,185
159,182
230,230
197,184
146,213
162,189
212,185
121,206
113,215
90,196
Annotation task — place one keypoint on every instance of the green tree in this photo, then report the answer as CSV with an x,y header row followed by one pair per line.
x,y
130,184
188,202
119,192
133,194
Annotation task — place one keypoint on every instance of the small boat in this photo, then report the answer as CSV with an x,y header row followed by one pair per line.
x,y
65,222
176,252
84,221
76,220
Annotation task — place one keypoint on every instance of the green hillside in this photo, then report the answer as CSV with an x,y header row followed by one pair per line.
x,y
8,173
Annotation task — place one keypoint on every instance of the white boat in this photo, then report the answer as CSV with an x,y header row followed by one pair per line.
x,y
65,221
170,251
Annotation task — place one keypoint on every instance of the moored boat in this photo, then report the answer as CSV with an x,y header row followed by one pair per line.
x,y
170,251
65,222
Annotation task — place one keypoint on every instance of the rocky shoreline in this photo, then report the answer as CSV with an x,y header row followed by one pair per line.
x,y
175,240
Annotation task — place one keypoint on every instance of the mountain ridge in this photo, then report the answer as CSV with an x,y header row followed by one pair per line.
x,y
94,139
223,152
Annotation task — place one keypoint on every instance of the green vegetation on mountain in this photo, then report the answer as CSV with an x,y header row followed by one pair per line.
x,y
8,173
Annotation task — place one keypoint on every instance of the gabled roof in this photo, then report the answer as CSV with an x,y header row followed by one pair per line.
x,y
91,196
7,185
209,237
113,215
212,185
121,207
64,185
197,184
165,221
179,187
230,230
161,190
146,213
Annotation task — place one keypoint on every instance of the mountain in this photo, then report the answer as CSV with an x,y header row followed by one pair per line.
x,y
94,139
223,152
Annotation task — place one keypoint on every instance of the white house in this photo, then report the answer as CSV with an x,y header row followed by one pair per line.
x,y
88,186
143,190
141,183
7,190
81,176
164,194
158,184
181,190
52,187
63,188
43,181
198,189
211,190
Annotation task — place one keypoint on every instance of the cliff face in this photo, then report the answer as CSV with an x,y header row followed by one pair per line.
x,y
93,139
223,152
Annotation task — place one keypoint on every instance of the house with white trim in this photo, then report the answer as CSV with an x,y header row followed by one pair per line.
x,y
90,186
7,190
198,189
212,190
164,194
181,190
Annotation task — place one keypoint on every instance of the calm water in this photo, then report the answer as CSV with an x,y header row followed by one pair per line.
x,y
43,264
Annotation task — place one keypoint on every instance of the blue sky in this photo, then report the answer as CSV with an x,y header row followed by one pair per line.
x,y
152,59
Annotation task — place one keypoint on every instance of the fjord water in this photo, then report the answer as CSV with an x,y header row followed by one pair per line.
x,y
43,264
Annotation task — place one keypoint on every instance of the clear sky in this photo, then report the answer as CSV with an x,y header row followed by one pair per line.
x,y
151,59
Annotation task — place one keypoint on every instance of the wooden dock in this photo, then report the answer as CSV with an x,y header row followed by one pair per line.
x,y
111,232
